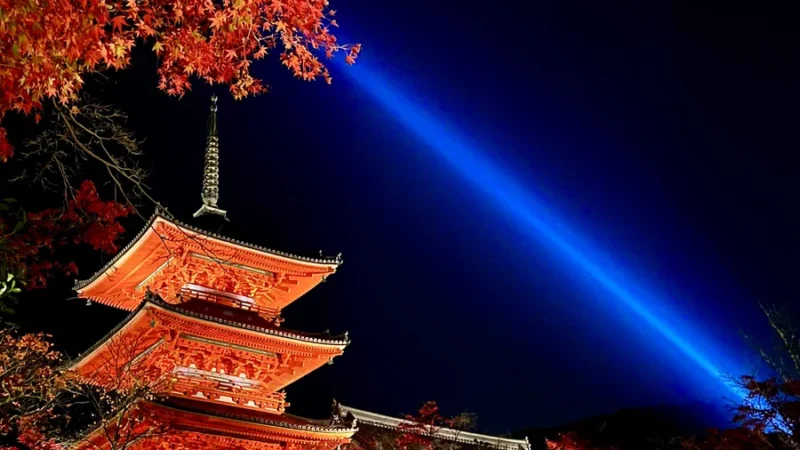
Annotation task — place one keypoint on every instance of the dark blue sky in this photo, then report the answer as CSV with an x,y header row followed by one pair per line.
x,y
663,135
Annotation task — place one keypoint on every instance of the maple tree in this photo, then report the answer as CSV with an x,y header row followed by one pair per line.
x,y
29,240
31,386
767,417
56,158
419,431
48,47
114,397
45,405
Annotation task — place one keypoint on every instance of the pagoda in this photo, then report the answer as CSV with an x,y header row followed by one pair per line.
x,y
205,331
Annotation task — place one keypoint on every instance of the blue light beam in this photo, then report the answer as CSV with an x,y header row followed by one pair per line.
x,y
506,194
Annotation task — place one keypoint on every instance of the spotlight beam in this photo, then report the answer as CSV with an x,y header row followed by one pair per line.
x,y
505,193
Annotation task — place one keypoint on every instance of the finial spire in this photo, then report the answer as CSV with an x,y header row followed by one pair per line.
x,y
210,194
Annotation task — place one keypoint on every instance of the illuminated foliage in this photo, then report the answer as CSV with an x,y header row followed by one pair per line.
x,y
31,388
45,406
768,416
48,47
767,419
29,241
114,396
419,432
47,50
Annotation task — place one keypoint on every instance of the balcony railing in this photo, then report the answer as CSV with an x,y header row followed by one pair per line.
x,y
193,291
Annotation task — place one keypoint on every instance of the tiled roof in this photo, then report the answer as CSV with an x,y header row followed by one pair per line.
x,y
292,422
160,213
464,437
154,299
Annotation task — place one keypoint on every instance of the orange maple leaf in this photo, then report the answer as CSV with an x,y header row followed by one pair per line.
x,y
117,23
217,21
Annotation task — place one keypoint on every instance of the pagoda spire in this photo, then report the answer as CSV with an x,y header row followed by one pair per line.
x,y
210,194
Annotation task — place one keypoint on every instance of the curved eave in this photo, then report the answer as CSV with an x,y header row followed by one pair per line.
x,y
337,342
320,432
337,430
104,301
331,263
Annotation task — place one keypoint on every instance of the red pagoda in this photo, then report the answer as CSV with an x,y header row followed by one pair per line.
x,y
205,329
204,334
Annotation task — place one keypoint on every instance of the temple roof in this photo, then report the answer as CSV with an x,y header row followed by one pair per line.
x,y
313,338
393,423
283,421
217,427
164,244
208,353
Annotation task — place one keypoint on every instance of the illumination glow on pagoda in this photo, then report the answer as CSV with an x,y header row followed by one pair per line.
x,y
205,327
204,334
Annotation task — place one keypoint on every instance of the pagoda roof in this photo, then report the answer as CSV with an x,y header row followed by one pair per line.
x,y
284,420
464,437
339,341
183,415
156,331
154,247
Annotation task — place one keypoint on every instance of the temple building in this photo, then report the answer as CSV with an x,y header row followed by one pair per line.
x,y
205,334
375,431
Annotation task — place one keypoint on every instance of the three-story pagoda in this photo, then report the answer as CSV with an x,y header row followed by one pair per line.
x,y
205,327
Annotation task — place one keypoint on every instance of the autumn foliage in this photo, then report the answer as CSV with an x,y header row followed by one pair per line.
x,y
47,47
44,405
418,432
766,418
31,386
29,242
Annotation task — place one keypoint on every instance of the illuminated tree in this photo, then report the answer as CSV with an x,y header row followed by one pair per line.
x,y
32,384
419,431
114,398
93,138
47,48
29,241
46,406
767,418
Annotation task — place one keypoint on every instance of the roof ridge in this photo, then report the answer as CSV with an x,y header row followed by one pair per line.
x,y
162,213
342,339
164,402
390,422
323,428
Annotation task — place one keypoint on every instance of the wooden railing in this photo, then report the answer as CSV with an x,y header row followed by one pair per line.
x,y
213,390
190,292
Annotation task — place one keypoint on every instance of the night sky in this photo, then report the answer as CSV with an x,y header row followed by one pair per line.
x,y
663,135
